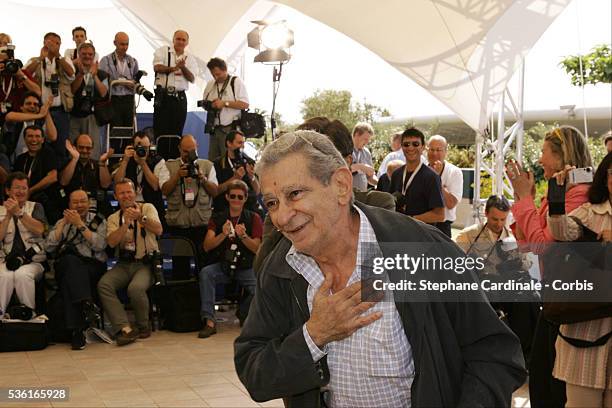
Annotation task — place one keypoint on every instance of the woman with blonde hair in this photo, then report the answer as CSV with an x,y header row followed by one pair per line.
x,y
563,146
587,371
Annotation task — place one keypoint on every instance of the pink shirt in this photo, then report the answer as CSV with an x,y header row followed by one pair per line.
x,y
533,221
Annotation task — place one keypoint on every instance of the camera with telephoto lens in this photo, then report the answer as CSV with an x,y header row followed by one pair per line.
x,y
156,262
139,89
11,64
193,169
15,261
141,151
211,115
53,84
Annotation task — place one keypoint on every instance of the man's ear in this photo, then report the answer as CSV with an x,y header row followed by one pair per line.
x,y
342,181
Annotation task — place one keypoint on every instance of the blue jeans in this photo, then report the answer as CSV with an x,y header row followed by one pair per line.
x,y
212,274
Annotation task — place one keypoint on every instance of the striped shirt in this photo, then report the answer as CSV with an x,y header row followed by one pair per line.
x,y
373,366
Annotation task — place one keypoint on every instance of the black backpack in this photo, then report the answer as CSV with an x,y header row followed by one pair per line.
x,y
252,124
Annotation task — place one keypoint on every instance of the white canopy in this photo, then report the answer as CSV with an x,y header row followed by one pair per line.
x,y
462,51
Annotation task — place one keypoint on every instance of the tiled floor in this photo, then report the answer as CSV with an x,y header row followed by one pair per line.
x,y
166,370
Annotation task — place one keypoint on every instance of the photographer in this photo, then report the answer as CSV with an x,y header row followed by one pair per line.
x,y
54,74
40,164
21,233
232,241
14,82
190,191
146,169
174,70
235,165
33,112
133,230
224,97
120,65
79,240
84,173
88,88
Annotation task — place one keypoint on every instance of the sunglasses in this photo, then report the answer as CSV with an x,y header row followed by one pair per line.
x,y
413,144
236,196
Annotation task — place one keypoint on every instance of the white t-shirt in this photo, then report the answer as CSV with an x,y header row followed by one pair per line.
x,y
452,181
175,79
227,115
45,71
396,155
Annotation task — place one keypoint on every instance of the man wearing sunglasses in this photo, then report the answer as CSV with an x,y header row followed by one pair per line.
x,y
415,185
84,173
231,242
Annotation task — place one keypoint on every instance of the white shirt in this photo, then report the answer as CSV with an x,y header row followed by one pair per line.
x,y
396,155
175,79
452,181
46,70
239,93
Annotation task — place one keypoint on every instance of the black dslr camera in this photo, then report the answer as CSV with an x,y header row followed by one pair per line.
x,y
15,261
193,170
53,84
156,262
11,64
139,89
141,151
211,115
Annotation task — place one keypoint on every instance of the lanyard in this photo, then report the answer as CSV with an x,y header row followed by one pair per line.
x,y
405,184
478,236
7,91
30,167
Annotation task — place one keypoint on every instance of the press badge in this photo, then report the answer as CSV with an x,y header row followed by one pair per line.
x,y
4,107
189,194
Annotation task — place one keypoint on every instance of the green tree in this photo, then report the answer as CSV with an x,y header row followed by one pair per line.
x,y
596,66
340,105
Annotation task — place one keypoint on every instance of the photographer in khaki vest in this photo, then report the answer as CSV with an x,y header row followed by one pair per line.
x,y
189,190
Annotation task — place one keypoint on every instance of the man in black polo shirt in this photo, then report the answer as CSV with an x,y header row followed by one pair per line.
x,y
39,163
84,173
416,186
234,165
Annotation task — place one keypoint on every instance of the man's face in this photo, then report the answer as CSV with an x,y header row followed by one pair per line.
x,y
144,142
30,105
122,42
79,202
79,37
86,55
124,193
609,146
180,41
187,145
34,140
301,207
219,74
53,44
412,148
237,143
19,191
436,151
361,139
84,145
496,219
236,199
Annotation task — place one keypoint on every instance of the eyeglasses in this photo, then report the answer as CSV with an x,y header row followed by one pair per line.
x,y
236,196
413,144
436,150
85,147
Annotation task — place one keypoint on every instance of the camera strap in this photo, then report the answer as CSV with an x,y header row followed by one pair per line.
x,y
167,75
127,60
478,236
134,227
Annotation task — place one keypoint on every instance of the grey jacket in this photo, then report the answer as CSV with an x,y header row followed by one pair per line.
x,y
463,354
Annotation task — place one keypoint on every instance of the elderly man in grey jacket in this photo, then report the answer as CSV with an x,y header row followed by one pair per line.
x,y
311,337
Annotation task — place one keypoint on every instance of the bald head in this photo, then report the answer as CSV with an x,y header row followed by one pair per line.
x,y
188,144
122,42
180,40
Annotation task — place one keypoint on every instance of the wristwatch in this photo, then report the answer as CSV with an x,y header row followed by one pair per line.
x,y
226,104
82,229
143,219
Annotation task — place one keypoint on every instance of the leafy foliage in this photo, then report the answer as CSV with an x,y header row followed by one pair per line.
x,y
596,66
